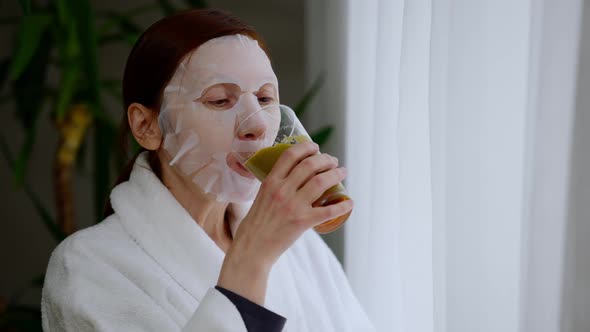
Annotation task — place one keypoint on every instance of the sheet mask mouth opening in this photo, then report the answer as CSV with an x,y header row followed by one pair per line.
x,y
234,164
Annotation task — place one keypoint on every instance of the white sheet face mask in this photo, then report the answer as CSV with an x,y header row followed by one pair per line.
x,y
222,82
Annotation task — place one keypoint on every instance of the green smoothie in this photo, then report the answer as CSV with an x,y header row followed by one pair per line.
x,y
261,163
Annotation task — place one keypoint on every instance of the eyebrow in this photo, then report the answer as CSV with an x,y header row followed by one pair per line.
x,y
230,79
265,85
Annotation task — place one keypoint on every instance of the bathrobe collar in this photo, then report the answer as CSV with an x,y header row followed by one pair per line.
x,y
165,230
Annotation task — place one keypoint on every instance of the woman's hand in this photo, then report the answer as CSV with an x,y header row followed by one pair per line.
x,y
281,212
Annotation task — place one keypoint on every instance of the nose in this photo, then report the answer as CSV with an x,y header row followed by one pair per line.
x,y
253,128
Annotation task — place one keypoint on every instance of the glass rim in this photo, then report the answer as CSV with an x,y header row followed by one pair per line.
x,y
280,106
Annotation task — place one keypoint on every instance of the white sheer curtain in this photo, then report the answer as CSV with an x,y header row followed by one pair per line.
x,y
457,132
390,238
388,151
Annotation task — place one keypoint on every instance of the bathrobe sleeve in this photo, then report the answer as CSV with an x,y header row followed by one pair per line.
x,y
86,293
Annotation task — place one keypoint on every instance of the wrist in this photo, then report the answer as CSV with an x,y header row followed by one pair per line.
x,y
244,275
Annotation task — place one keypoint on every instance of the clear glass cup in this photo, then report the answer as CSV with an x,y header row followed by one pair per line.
x,y
264,135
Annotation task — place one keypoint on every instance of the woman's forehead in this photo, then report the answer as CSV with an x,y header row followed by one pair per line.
x,y
229,58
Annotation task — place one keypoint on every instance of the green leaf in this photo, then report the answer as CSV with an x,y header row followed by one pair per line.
x,y
131,38
103,133
63,11
103,143
29,94
84,95
67,88
28,40
26,6
4,65
301,107
167,7
29,89
46,218
124,23
84,18
70,62
322,135
6,152
196,3
127,38
20,166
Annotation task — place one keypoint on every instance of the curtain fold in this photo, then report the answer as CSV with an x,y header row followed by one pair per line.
x,y
457,139
388,155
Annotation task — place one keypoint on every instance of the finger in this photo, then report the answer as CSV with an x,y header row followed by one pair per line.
x,y
309,167
291,157
318,184
322,214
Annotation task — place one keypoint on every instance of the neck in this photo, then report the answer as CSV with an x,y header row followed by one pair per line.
x,y
211,215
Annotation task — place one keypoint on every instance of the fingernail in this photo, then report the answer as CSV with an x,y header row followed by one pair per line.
x,y
344,170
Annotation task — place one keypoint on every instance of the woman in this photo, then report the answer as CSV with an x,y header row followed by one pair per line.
x,y
170,255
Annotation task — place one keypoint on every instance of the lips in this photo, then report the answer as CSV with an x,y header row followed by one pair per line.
x,y
235,165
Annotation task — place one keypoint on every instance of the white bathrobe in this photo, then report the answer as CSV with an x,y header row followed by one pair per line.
x,y
151,267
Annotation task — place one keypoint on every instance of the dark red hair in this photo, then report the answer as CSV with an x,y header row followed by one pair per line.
x,y
155,57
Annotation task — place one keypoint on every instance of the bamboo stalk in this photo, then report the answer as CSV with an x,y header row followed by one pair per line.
x,y
72,131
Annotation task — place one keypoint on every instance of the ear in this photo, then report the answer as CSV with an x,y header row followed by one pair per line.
x,y
144,126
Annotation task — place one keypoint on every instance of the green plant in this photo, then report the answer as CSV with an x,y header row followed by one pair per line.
x,y
65,36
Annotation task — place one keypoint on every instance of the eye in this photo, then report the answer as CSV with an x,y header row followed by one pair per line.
x,y
218,102
220,97
265,100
